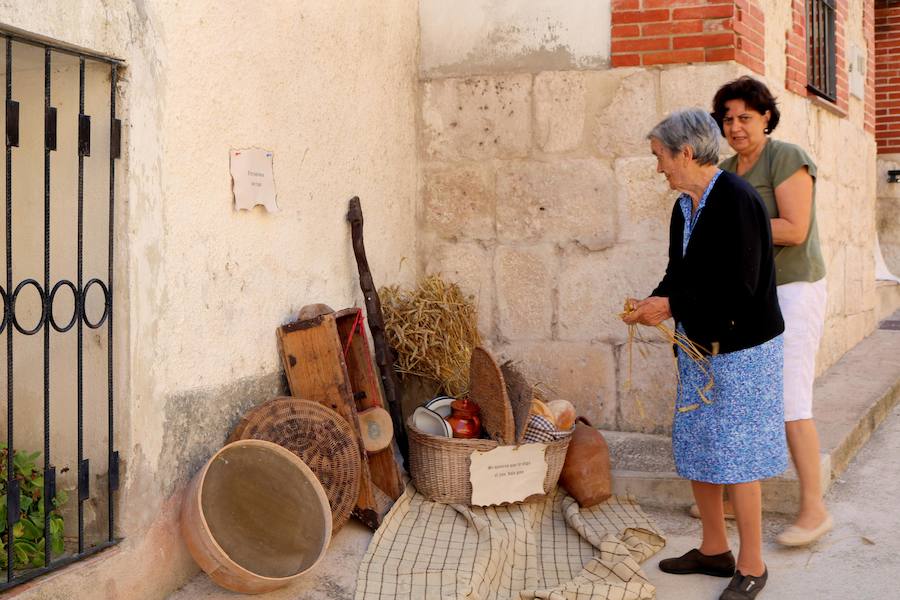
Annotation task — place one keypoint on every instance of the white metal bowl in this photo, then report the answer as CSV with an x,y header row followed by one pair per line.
x,y
430,422
441,405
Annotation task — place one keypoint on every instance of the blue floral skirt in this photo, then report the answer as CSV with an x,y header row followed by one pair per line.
x,y
739,435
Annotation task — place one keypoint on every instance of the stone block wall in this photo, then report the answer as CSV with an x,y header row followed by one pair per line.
x,y
541,198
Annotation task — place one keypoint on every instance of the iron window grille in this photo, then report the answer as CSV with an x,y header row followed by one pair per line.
x,y
48,318
820,48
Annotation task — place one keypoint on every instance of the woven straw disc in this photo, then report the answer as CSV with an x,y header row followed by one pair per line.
x,y
488,390
320,437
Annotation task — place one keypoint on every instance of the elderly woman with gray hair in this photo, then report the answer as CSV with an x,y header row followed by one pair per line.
x,y
719,287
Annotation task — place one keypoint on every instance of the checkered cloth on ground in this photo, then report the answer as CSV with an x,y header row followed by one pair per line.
x,y
549,549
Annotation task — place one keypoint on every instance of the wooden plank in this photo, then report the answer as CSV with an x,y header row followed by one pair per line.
x,y
315,369
366,390
314,364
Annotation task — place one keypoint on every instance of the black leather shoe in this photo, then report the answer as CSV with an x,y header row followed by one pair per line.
x,y
717,565
744,587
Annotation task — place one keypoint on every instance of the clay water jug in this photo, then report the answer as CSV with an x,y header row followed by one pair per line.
x,y
587,474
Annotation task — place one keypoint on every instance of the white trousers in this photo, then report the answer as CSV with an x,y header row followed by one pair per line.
x,y
803,307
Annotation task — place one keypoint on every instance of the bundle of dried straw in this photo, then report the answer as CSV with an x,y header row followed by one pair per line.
x,y
691,349
433,329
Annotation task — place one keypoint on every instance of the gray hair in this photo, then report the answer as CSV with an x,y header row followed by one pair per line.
x,y
692,127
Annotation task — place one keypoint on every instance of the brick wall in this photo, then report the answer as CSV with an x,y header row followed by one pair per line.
x,y
869,31
750,29
840,42
795,50
887,77
653,32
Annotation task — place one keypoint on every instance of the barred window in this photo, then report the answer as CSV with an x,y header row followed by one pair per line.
x,y
820,47
59,466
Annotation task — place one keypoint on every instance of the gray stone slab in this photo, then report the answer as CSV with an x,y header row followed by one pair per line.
x,y
854,396
856,560
334,578
851,400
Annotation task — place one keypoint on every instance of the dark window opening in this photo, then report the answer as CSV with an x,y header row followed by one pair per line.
x,y
820,48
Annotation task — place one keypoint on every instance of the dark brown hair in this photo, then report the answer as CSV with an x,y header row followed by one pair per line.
x,y
755,95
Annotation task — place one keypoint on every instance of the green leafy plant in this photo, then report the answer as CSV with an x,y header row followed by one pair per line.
x,y
28,532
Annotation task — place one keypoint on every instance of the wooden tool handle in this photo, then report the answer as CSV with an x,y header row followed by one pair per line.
x,y
383,356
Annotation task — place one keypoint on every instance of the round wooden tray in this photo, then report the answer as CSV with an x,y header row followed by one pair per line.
x,y
320,437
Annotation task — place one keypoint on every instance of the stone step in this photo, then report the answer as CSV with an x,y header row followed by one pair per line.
x,y
851,400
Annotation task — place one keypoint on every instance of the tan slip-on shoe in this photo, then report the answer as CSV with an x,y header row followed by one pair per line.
x,y
798,536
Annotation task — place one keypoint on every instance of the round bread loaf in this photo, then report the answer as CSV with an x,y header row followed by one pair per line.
x,y
563,414
542,410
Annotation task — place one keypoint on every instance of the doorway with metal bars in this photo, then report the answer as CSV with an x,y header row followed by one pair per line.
x,y
60,466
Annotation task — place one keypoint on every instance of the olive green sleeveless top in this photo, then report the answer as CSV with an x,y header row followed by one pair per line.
x,y
778,161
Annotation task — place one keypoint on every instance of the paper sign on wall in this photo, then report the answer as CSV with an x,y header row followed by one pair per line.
x,y
507,474
253,179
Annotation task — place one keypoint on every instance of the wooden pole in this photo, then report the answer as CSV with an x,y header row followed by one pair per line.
x,y
383,355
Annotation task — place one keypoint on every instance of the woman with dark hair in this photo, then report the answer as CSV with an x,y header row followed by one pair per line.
x,y
784,176
719,286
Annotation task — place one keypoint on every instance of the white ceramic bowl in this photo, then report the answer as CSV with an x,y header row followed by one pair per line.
x,y
441,405
430,422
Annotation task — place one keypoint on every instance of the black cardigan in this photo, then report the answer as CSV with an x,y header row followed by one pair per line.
x,y
723,290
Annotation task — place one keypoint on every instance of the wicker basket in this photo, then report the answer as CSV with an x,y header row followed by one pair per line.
x,y
439,466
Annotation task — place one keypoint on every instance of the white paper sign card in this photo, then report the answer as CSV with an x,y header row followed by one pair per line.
x,y
253,179
507,474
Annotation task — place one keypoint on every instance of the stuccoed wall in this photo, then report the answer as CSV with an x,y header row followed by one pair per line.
x,y
485,36
540,197
330,89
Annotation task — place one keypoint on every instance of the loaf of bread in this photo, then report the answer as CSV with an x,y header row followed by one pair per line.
x,y
542,410
563,414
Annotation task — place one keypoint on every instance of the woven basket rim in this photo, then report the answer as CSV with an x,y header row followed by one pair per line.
x,y
463,442
439,466
450,442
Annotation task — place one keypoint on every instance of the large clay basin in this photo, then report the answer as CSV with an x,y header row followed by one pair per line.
x,y
255,518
